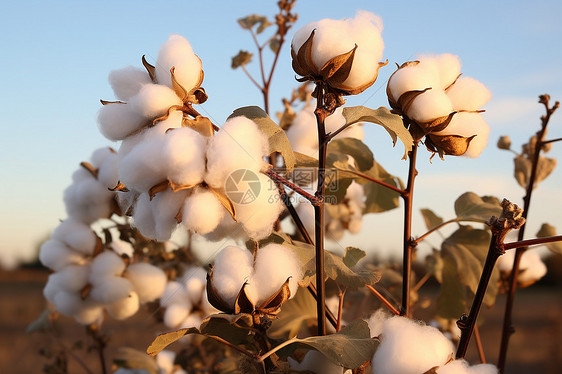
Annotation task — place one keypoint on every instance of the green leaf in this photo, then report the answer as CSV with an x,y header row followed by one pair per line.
x,y
471,207
451,302
350,347
392,123
379,198
278,141
242,58
250,21
352,256
294,314
548,230
431,219
354,148
130,358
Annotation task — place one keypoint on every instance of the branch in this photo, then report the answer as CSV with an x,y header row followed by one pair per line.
x,y
278,178
453,220
252,78
551,141
383,300
529,242
374,180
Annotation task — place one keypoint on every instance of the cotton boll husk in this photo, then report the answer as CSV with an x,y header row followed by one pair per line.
x,y
125,307
110,290
143,167
259,216
76,235
376,322
274,265
317,363
447,66
195,281
410,348
143,218
410,78
238,145
148,281
206,308
55,255
177,53
429,106
106,264
154,100
202,211
468,94
116,121
468,124
127,82
88,201
184,155
165,208
89,313
233,267
175,294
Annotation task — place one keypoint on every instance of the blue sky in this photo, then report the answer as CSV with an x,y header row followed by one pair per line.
x,y
56,56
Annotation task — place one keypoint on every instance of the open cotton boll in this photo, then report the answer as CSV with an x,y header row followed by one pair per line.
x,y
71,278
274,265
412,78
305,210
376,322
90,312
468,124
107,170
127,82
531,267
174,293
202,211
88,201
184,155
143,167
192,320
165,361
148,281
106,264
232,269
316,362
68,303
447,66
76,235
303,133
109,290
55,255
238,145
462,367
143,219
116,121
154,100
259,215
177,53
429,106
408,347
165,208
125,307
52,287
195,281
468,94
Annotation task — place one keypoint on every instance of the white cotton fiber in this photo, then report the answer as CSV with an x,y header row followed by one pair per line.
x,y
462,367
174,293
71,278
412,78
202,211
408,347
468,94
109,290
52,287
238,145
468,124
192,320
107,170
106,264
55,255
376,322
143,219
183,153
177,53
165,207
175,314
259,215
303,134
165,361
233,267
195,281
125,307
305,210
531,267
76,235
154,100
127,82
429,106
274,265
90,312
143,167
88,201
121,247
118,120
148,281
68,303
447,66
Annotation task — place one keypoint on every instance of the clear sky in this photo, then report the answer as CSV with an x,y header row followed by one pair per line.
x,y
56,56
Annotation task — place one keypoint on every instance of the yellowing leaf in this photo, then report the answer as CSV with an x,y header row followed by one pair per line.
x,y
549,230
167,338
471,207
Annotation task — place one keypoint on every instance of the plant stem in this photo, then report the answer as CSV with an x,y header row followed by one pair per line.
x,y
419,239
408,196
508,329
479,344
374,180
383,300
278,178
529,242
100,344
341,296
551,141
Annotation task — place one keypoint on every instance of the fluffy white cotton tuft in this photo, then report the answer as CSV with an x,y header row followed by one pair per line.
x,y
468,94
376,322
143,167
412,78
165,207
447,66
468,124
410,348
125,307
531,267
55,255
238,145
184,156
118,120
87,200
177,53
174,293
127,82
106,160
76,235
90,312
71,278
429,106
233,267
175,314
148,281
202,211
111,289
143,218
154,100
106,264
195,281
462,367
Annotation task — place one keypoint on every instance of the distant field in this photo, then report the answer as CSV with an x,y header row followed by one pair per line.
x,y
534,348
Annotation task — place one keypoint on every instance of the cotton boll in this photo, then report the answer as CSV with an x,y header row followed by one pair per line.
x,y
195,281
274,265
143,167
259,215
238,145
305,210
410,348
71,278
412,78
143,219
165,361
154,100
302,133
192,320
121,247
127,82
447,66
429,106
175,314
107,170
165,207
315,362
468,94
125,307
531,267
148,281
68,303
110,290
76,235
233,267
55,255
89,313
462,367
88,201
376,322
116,121
106,264
184,155
52,287
202,211
175,294
468,124
177,53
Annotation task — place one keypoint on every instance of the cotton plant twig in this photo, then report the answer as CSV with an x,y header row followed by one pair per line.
x,y
383,300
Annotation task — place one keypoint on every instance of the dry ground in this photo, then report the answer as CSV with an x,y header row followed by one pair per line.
x,y
534,348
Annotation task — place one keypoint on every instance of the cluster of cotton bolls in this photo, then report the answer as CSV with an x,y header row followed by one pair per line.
x,y
262,277
531,267
185,300
359,36
88,280
432,94
410,347
164,362
174,173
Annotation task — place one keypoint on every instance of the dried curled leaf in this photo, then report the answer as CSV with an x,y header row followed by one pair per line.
x,y
242,58
250,21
